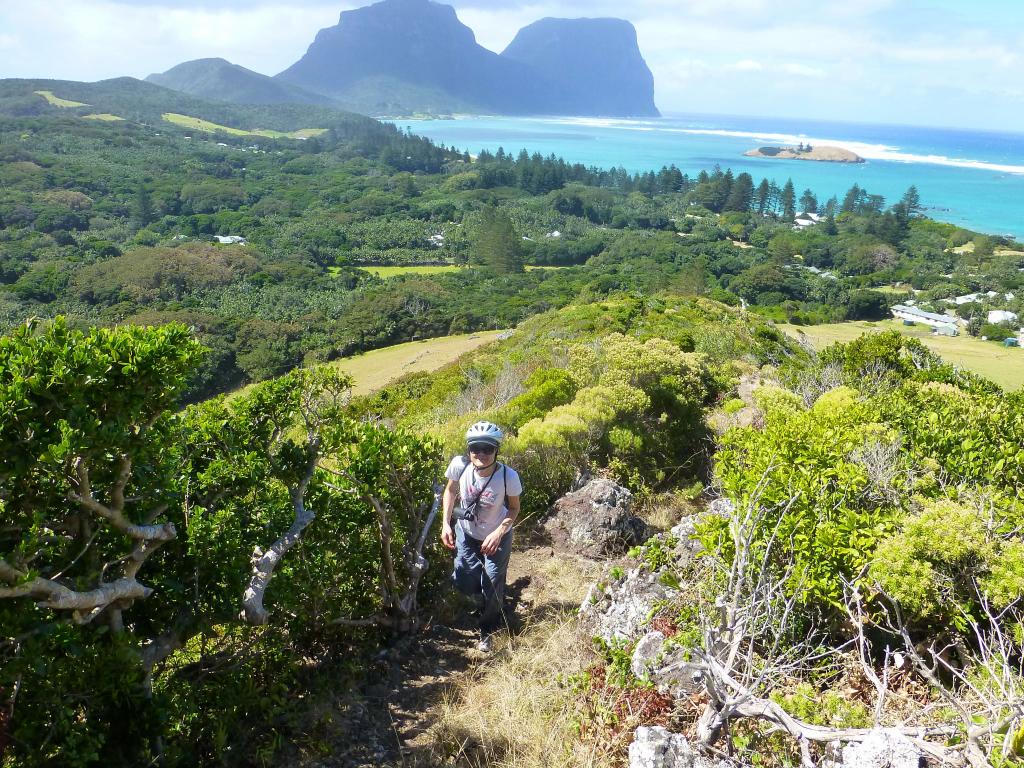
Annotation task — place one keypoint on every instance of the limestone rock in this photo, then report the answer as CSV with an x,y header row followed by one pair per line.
x,y
618,610
668,668
596,521
883,748
656,747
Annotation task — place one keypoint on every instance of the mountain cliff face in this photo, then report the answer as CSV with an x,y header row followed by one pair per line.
x,y
221,80
406,55
596,62
402,56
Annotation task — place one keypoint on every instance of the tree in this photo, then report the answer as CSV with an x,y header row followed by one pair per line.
x,y
741,194
497,244
808,202
762,197
911,202
852,200
788,200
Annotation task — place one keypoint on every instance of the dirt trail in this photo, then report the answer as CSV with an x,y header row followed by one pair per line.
x,y
386,723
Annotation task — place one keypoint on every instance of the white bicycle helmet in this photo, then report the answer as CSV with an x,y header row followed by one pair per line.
x,y
485,432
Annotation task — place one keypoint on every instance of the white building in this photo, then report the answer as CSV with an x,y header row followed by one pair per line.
x,y
1001,316
941,323
230,239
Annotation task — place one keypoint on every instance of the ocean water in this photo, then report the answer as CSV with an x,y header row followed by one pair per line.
x,y
973,179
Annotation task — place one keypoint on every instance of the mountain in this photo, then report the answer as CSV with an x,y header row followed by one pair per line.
x,y
414,55
223,81
404,56
597,61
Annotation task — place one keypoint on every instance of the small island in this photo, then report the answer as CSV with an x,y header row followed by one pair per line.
x,y
807,152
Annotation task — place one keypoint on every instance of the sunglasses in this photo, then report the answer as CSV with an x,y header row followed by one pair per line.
x,y
484,449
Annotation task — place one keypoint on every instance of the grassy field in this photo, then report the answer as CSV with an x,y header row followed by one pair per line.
x,y
59,102
891,289
103,116
417,269
429,269
206,126
375,369
1003,365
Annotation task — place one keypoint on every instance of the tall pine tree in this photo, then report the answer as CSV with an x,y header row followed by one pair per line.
x,y
498,247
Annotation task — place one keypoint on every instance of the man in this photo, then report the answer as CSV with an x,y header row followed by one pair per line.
x,y
479,526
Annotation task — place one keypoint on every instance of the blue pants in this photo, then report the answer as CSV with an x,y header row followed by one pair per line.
x,y
484,575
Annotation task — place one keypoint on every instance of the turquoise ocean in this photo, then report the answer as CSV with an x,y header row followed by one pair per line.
x,y
973,179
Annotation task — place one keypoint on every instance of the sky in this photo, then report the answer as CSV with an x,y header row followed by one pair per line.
x,y
912,62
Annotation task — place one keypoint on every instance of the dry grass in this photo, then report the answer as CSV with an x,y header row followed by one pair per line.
x,y
105,117
517,709
377,368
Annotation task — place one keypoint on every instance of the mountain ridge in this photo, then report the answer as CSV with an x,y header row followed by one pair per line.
x,y
219,79
400,57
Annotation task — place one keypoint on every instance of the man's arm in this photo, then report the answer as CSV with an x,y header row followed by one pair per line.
x,y
451,493
512,502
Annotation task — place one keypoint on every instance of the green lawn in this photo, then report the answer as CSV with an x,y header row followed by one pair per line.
x,y
59,102
198,124
1003,365
375,369
105,117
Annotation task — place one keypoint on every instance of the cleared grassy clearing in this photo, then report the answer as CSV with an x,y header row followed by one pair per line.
x,y
428,269
891,289
195,123
104,117
57,101
372,370
1003,365
386,272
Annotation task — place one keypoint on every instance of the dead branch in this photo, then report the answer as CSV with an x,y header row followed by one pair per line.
x,y
264,563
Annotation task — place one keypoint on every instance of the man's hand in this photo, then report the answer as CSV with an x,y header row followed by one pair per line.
x,y
493,541
447,535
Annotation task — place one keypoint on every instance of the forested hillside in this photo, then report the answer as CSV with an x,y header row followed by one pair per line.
x,y
187,578
115,221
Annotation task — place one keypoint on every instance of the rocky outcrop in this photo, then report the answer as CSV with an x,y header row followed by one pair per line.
x,y
883,748
666,666
596,521
656,747
618,610
820,154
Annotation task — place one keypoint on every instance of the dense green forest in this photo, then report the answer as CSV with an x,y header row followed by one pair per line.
x,y
200,571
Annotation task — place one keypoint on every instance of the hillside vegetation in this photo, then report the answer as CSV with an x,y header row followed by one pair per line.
x,y
193,579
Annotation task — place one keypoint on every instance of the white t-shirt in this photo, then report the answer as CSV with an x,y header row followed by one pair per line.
x,y
491,509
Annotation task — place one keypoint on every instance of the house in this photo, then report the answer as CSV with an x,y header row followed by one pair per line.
x,y
230,239
970,297
436,240
1001,316
943,324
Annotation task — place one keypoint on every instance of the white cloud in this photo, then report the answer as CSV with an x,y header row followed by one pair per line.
x,y
802,70
748,65
90,40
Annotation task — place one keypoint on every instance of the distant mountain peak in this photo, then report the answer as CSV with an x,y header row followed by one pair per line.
x,y
404,56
